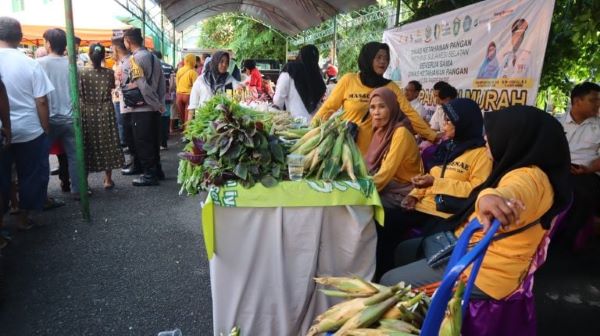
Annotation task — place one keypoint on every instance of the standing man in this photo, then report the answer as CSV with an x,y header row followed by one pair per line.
x,y
516,62
411,91
582,129
142,71
29,119
56,66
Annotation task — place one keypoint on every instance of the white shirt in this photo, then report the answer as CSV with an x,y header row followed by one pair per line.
x,y
287,94
201,91
57,70
584,139
516,64
25,80
418,106
437,119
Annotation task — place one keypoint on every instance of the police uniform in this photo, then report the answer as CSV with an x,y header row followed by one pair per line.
x,y
516,64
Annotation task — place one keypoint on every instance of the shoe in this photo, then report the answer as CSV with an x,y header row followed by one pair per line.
x,y
133,170
164,148
52,203
145,181
54,172
65,186
109,186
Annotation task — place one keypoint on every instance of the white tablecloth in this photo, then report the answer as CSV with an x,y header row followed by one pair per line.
x,y
266,259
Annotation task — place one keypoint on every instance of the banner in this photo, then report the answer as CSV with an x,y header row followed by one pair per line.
x,y
491,51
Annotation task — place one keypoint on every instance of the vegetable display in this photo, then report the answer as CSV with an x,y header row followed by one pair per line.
x,y
376,310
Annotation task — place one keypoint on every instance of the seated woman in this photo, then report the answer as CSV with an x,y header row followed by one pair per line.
x,y
528,184
214,80
460,164
393,156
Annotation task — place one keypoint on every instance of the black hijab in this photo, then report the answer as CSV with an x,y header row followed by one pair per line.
x,y
216,80
522,136
365,63
307,77
467,119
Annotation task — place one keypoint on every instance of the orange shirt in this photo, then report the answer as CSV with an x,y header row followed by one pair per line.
x,y
507,260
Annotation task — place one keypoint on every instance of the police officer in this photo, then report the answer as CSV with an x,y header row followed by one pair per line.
x,y
515,63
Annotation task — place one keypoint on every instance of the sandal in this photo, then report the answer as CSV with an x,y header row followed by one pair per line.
x,y
52,203
25,227
109,186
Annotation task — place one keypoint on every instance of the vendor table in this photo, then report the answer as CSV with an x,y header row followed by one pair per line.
x,y
266,246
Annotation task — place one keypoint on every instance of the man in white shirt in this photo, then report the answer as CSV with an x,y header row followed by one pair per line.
x,y
411,91
582,129
56,66
443,93
27,87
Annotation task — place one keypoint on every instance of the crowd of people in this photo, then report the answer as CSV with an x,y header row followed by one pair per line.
x,y
434,172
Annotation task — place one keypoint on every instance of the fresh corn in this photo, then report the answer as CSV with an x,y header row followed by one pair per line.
x,y
336,316
398,325
367,316
349,285
375,332
347,164
309,135
452,322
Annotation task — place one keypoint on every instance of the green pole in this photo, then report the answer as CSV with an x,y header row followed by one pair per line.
x,y
83,186
334,54
173,45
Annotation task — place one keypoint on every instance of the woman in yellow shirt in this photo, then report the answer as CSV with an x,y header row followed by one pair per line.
x,y
529,184
393,156
460,164
353,90
184,80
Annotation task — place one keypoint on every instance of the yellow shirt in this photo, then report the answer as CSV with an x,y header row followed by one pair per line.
x,y
185,78
462,175
507,260
402,161
353,97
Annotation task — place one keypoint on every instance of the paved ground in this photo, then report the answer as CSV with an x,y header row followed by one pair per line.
x,y
139,267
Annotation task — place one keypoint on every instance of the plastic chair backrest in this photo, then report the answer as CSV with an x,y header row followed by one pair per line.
x,y
459,261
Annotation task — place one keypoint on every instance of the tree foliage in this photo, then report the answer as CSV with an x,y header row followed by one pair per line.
x,y
247,37
572,54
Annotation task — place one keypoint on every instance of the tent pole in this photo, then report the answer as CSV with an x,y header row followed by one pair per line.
x,y
144,20
162,33
398,3
287,49
74,88
334,53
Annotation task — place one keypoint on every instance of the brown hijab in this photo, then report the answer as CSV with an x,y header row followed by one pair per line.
x,y
382,136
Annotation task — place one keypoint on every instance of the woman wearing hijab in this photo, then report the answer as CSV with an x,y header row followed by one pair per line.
x,y
184,80
489,68
300,86
393,156
528,187
352,94
214,80
460,164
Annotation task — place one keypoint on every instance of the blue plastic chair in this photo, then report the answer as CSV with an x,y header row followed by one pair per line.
x,y
459,261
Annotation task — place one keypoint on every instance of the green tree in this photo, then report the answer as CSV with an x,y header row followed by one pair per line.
x,y
247,37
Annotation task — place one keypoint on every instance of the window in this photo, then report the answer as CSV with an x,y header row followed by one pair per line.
x,y
18,5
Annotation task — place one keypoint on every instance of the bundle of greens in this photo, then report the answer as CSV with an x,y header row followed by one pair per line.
x,y
235,148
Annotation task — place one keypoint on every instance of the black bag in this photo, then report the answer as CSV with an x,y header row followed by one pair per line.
x,y
438,247
446,203
134,97
449,204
